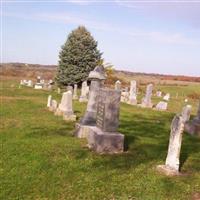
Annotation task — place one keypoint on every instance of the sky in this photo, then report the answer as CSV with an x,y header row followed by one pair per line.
x,y
152,36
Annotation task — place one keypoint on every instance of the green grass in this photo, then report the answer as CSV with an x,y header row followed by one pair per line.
x,y
40,159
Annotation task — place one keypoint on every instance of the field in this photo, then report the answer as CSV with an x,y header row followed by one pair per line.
x,y
40,158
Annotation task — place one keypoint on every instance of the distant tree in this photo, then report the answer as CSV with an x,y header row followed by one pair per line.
x,y
78,56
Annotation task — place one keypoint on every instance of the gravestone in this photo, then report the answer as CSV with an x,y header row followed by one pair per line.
x,y
30,84
68,114
75,96
146,101
161,106
118,85
53,106
38,84
133,93
49,101
186,113
21,82
125,95
70,88
166,97
63,105
84,91
97,76
172,162
159,93
58,90
104,138
193,127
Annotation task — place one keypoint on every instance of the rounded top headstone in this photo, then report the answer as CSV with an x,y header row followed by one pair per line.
x,y
97,73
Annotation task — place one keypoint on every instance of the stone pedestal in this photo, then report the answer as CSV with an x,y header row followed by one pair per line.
x,y
82,131
102,142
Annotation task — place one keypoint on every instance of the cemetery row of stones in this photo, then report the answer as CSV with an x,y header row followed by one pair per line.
x,y
100,122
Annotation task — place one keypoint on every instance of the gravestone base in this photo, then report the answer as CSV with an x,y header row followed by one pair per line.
x,y
193,127
58,112
82,131
167,170
105,142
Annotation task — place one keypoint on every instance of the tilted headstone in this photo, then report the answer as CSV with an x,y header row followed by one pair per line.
x,y
68,114
75,96
172,162
49,101
166,97
104,138
84,91
146,101
133,93
162,105
193,126
97,76
118,85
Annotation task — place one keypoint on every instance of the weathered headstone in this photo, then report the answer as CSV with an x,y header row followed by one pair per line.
x,y
186,113
104,138
193,126
63,105
166,97
49,101
161,106
118,85
58,90
53,106
97,76
172,162
146,101
68,114
133,93
75,96
84,91
125,95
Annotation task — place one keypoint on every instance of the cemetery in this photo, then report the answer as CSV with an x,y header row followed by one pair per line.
x,y
88,129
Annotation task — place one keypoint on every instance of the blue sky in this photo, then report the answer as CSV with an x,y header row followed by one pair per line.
x,y
141,36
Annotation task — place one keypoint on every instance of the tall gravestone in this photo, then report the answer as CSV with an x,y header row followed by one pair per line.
x,y
193,126
97,76
146,101
75,96
68,114
49,101
84,91
133,93
104,138
172,162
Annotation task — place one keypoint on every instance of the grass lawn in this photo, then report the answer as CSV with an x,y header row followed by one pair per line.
x,y
40,159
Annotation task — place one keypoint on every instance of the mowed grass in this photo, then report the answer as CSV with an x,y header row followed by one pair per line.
x,y
40,158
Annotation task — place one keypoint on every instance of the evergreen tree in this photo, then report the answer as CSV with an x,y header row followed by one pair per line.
x,y
78,56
